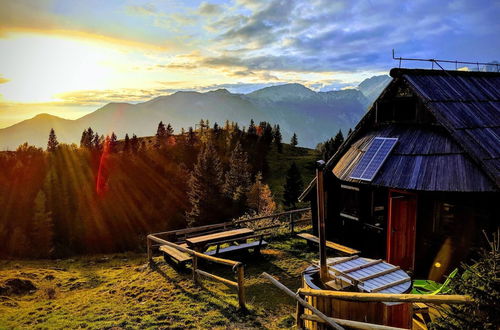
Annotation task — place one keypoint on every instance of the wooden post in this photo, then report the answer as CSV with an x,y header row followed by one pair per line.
x,y
194,264
241,286
299,312
323,272
326,319
291,222
150,252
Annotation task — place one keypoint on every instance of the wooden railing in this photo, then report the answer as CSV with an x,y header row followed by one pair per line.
x,y
336,323
290,220
237,267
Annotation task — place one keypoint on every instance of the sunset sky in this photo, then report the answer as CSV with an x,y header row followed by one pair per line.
x,y
68,57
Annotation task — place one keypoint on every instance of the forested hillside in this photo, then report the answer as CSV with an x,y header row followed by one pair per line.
x,y
105,195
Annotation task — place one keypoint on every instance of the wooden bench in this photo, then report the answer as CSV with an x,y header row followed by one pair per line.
x,y
331,245
256,245
170,253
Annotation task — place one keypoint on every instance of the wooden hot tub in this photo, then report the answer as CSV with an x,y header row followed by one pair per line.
x,y
346,273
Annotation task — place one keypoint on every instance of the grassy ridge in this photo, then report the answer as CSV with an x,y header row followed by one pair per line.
x,y
279,164
121,291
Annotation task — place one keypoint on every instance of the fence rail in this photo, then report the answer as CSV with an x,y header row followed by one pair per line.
x,y
157,239
237,266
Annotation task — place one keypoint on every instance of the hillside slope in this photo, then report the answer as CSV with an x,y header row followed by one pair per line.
x,y
122,291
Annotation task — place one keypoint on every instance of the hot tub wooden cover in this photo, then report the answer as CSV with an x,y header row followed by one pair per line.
x,y
370,275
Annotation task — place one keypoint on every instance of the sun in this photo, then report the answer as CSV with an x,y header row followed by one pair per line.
x,y
39,67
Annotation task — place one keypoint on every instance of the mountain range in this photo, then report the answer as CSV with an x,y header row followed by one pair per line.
x,y
313,116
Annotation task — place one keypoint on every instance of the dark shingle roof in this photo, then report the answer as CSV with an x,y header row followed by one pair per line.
x,y
425,158
466,155
467,105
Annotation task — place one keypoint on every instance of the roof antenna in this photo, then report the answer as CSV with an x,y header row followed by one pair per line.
x,y
437,62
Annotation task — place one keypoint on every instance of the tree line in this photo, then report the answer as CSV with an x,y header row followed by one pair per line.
x,y
106,194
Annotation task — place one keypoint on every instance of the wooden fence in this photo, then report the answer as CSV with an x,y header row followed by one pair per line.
x,y
286,219
237,267
336,323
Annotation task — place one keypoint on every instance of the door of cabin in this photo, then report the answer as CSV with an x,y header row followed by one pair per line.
x,y
401,229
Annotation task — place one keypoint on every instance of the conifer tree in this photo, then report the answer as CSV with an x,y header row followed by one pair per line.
x,y
126,144
191,137
169,131
161,134
52,143
87,138
237,181
293,186
134,143
113,142
96,142
294,141
278,138
205,188
42,234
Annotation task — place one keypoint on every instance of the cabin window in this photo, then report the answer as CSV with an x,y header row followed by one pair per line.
x,y
350,202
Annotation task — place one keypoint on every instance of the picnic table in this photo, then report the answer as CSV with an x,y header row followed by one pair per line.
x,y
199,243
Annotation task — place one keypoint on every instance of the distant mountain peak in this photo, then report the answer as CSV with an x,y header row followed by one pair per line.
x,y
293,91
221,91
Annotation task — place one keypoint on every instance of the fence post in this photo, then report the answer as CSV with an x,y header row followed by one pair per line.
x,y
150,253
299,312
194,264
241,286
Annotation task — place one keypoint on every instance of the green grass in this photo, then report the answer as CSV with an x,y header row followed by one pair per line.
x,y
279,163
122,291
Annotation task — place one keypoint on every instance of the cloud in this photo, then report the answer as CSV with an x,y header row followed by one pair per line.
x,y
209,9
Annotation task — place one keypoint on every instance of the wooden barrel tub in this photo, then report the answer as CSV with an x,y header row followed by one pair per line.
x,y
396,315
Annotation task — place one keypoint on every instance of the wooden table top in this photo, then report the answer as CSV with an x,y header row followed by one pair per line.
x,y
223,235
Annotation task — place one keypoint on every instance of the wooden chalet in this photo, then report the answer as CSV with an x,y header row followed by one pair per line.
x,y
419,178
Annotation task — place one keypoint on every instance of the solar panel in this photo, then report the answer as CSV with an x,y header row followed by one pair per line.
x,y
373,158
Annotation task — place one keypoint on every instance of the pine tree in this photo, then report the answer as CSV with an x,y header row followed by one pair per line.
x,y
43,232
126,144
169,130
113,142
161,134
277,138
294,140
205,187
237,180
134,143
96,142
293,186
52,143
191,137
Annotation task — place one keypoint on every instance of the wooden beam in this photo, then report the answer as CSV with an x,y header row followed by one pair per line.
x,y
384,272
369,264
342,260
304,303
390,285
351,324
388,297
217,278
194,253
